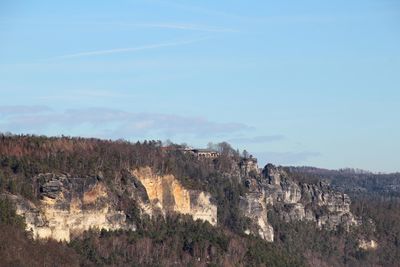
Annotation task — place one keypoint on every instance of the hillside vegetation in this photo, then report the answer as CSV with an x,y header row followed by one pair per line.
x,y
177,240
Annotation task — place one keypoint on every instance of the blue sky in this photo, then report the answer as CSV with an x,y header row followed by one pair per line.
x,y
294,82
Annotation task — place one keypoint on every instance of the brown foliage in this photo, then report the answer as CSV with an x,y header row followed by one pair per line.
x,y
18,249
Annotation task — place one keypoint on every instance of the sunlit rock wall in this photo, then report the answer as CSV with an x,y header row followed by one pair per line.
x,y
166,193
69,206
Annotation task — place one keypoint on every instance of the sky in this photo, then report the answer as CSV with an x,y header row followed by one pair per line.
x,y
313,83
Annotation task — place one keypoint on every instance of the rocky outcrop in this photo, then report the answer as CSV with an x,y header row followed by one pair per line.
x,y
253,206
367,244
68,206
249,166
167,195
294,201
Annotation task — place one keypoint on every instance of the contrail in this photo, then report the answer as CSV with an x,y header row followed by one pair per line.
x,y
129,49
175,26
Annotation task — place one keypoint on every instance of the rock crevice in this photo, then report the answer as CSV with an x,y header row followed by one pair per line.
x,y
294,201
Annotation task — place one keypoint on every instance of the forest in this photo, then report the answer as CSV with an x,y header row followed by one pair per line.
x,y
177,240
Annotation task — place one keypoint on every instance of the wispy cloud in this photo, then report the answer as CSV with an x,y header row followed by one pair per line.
x,y
85,94
127,25
202,10
169,25
257,139
191,27
286,158
127,50
6,111
113,123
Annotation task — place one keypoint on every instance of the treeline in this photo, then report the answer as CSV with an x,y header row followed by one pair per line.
x,y
381,217
320,247
375,199
173,241
17,248
178,241
353,181
22,157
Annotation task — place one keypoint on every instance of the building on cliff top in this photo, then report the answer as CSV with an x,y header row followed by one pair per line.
x,y
198,152
206,153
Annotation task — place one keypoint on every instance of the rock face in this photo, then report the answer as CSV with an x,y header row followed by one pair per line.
x,y
69,206
367,244
248,166
293,201
254,207
168,195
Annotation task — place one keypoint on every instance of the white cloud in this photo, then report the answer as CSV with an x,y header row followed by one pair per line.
x,y
19,109
286,158
85,94
257,139
112,123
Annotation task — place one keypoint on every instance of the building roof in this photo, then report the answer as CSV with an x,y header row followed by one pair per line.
x,y
204,150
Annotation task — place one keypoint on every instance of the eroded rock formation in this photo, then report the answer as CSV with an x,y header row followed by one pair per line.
x,y
69,206
294,201
367,244
167,194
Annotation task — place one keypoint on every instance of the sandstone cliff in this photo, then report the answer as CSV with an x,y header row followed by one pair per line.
x,y
294,201
70,205
168,195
